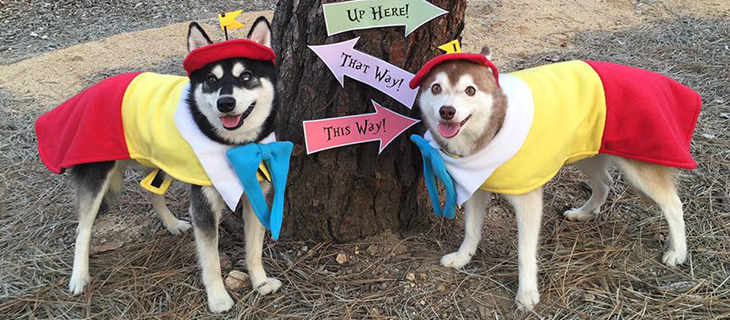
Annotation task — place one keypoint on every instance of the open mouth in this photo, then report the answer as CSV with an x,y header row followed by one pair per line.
x,y
233,122
451,129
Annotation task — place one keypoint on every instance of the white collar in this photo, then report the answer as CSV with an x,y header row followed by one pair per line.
x,y
470,172
211,154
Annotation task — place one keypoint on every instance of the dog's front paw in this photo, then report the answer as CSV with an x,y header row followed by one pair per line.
x,y
455,260
674,258
270,286
579,214
178,228
527,299
77,284
220,302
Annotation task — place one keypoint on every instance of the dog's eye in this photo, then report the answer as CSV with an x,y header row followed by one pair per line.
x,y
471,91
212,80
246,76
436,88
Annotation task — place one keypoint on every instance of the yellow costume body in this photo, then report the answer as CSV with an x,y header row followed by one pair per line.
x,y
567,126
148,109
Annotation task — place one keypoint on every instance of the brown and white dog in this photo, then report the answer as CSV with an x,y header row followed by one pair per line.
x,y
510,134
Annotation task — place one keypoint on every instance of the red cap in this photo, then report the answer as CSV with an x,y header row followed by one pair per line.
x,y
473,57
239,48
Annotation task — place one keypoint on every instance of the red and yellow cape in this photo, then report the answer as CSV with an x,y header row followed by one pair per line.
x,y
578,109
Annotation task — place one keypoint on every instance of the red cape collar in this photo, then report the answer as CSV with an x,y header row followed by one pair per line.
x,y
473,57
239,48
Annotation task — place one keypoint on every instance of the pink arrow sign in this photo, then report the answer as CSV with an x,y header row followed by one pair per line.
x,y
383,125
343,60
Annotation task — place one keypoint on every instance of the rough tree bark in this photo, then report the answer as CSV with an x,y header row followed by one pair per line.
x,y
350,192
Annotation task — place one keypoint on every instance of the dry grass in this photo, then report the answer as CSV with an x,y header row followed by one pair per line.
x,y
608,268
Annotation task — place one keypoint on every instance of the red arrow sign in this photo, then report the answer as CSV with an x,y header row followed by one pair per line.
x,y
383,125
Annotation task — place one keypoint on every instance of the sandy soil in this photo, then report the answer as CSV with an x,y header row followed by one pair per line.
x,y
34,27
70,66
512,28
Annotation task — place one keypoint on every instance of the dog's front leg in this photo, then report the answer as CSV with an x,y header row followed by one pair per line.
x,y
205,208
254,234
474,219
528,208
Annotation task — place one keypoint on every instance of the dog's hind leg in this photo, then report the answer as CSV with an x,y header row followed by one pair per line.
x,y
205,208
596,168
116,178
172,224
474,210
528,209
254,233
658,183
92,182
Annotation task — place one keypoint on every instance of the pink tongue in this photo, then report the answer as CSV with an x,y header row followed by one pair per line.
x,y
230,121
448,130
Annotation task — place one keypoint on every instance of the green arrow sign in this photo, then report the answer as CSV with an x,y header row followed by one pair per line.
x,y
364,14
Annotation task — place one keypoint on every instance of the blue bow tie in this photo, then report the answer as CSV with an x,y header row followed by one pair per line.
x,y
433,166
245,161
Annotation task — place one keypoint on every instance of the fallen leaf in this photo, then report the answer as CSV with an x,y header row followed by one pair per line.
x,y
341,258
411,277
106,247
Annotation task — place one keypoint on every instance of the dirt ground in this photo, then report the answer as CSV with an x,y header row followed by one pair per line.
x,y
526,27
606,268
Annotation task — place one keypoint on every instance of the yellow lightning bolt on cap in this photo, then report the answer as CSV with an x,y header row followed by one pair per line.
x,y
451,47
228,20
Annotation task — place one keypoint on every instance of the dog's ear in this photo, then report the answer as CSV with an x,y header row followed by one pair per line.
x,y
261,32
197,37
487,52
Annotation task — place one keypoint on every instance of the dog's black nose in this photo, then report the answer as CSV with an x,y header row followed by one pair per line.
x,y
226,104
447,113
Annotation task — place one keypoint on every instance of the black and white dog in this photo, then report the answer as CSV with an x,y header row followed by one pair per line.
x,y
232,102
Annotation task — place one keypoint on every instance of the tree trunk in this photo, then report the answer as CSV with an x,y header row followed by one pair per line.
x,y
350,192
